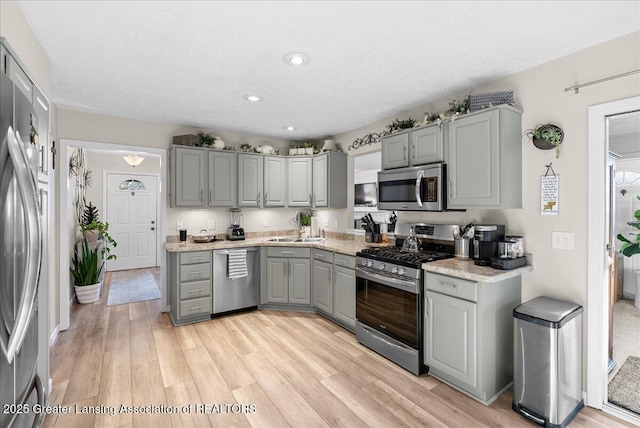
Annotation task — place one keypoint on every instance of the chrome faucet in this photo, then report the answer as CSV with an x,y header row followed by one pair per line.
x,y
296,220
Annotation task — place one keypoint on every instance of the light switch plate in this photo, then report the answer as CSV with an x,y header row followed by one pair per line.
x,y
212,224
266,222
562,240
179,225
336,223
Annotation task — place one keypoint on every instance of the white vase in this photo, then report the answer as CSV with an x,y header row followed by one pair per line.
x,y
88,293
293,152
308,150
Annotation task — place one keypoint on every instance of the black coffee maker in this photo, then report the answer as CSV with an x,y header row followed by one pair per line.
x,y
485,242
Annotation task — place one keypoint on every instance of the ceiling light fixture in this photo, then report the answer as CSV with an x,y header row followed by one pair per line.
x,y
253,98
296,58
133,159
290,128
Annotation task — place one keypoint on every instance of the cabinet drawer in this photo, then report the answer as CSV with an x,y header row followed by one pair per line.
x,y
288,252
323,255
193,257
344,261
450,286
195,272
192,290
193,307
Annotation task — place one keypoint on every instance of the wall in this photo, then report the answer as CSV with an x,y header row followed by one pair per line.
x,y
539,91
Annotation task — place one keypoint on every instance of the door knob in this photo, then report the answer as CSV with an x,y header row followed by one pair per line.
x,y
153,228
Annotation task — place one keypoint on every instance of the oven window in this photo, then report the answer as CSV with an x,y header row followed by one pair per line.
x,y
389,310
405,190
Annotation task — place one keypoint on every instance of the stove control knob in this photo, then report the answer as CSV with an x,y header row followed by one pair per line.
x,y
369,263
364,263
381,266
395,269
402,271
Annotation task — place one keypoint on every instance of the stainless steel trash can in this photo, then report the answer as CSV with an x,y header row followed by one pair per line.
x,y
547,363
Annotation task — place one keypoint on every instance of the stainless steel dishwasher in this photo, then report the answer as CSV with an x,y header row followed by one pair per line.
x,y
233,294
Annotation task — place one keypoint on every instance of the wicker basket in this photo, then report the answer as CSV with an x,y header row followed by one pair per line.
x,y
480,101
186,140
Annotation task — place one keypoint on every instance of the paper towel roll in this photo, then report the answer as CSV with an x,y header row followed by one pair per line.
x,y
315,224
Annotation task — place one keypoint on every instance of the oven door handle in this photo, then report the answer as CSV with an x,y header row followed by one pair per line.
x,y
410,286
419,178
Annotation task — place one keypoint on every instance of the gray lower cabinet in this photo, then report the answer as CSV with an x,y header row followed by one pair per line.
x,y
468,333
334,286
223,178
485,159
188,177
190,286
288,275
300,181
250,180
329,178
275,181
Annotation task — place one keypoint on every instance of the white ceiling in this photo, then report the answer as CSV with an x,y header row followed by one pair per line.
x,y
191,63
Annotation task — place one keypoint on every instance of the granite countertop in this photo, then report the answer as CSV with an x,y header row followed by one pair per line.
x,y
465,269
348,247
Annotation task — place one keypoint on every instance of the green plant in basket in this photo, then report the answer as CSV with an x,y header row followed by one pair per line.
x,y
86,270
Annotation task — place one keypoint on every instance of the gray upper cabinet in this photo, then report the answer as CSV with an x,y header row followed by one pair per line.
x,y
329,180
188,177
395,150
300,181
427,145
275,184
223,179
250,180
485,159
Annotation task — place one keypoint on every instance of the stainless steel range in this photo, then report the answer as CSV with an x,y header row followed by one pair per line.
x,y
389,293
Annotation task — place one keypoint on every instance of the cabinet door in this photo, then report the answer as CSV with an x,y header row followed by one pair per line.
x,y
427,145
277,280
450,337
41,106
223,176
300,186
250,176
19,77
275,185
322,286
300,281
474,161
189,177
395,151
321,181
344,303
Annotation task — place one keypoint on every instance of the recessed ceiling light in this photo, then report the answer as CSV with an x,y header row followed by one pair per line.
x,y
290,128
253,98
296,58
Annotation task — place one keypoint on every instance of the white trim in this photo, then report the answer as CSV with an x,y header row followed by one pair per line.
x,y
65,245
54,336
597,290
621,413
158,197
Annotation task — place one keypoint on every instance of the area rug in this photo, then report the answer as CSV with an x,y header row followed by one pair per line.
x,y
624,388
129,286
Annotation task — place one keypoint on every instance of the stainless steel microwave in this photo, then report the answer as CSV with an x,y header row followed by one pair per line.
x,y
418,188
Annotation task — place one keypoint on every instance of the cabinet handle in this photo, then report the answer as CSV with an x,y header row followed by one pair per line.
x,y
264,199
344,262
310,199
335,276
201,194
286,252
195,290
449,284
413,151
426,308
195,273
320,255
258,199
198,308
193,259
329,275
210,195
404,151
451,195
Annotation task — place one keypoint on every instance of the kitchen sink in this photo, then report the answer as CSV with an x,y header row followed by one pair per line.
x,y
295,239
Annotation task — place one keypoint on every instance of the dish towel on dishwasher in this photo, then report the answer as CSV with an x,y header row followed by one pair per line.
x,y
238,264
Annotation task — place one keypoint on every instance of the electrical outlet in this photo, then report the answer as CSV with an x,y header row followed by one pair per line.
x,y
336,223
179,225
562,240
266,222
326,223
212,224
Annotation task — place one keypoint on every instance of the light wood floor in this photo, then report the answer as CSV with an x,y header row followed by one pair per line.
x,y
295,369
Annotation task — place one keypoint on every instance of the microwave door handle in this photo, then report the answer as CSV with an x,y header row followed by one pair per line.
x,y
418,185
28,192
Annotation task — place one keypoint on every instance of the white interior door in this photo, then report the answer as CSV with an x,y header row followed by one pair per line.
x,y
131,214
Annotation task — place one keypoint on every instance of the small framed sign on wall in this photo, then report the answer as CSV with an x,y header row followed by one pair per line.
x,y
549,203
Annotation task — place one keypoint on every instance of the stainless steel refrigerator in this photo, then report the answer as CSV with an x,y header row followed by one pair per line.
x,y
20,259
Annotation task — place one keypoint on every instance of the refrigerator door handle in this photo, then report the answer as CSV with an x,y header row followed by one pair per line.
x,y
29,194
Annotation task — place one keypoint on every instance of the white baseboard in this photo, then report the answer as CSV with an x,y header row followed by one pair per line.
x,y
54,336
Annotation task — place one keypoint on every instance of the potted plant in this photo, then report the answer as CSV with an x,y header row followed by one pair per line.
x,y
309,147
87,272
630,248
205,140
246,147
546,137
399,125
293,149
305,222
90,216
100,229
